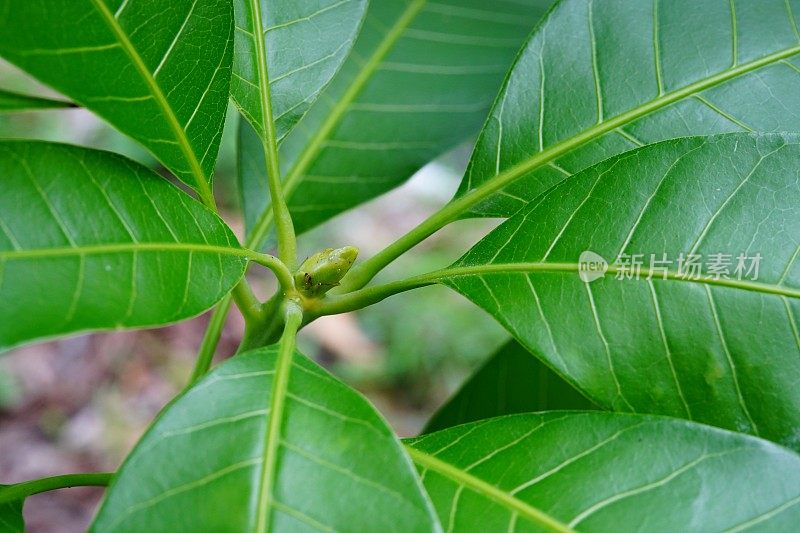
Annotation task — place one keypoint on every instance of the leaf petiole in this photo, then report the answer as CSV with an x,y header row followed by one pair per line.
x,y
19,491
287,241
343,303
252,310
210,340
293,317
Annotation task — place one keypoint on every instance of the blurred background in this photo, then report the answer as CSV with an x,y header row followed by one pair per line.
x,y
81,403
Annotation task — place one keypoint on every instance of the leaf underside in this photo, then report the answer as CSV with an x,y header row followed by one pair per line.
x,y
596,471
339,466
419,81
723,352
600,78
90,240
304,45
159,72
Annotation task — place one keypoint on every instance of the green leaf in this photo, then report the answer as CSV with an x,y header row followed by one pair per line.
x,y
287,51
11,519
10,101
606,472
339,466
599,78
158,72
510,381
721,351
419,80
90,240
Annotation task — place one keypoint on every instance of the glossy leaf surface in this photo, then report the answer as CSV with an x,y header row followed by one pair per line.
x,y
718,344
599,78
157,71
339,466
304,43
90,240
511,381
602,472
419,80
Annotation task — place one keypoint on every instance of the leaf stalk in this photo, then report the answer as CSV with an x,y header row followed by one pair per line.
x,y
287,241
28,488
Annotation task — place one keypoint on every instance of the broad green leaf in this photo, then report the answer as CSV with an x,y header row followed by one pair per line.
x,y
719,345
200,466
11,519
420,79
90,240
10,101
158,71
287,51
606,472
511,381
599,78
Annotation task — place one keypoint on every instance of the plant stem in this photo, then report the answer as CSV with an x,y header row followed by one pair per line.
x,y
363,273
280,211
287,242
293,318
267,330
334,304
278,267
251,309
246,301
28,488
210,340
352,301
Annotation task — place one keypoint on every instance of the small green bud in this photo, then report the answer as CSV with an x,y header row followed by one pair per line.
x,y
322,271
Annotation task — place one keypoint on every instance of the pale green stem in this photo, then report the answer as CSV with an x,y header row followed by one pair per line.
x,y
352,301
287,242
278,267
19,491
210,340
279,211
248,304
246,300
335,304
363,273
280,384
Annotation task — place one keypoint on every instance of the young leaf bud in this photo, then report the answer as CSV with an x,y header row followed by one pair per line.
x,y
323,270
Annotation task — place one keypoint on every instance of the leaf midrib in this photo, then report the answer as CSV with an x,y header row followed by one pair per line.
x,y
200,178
265,95
505,268
480,486
96,249
358,299
547,155
277,402
295,174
